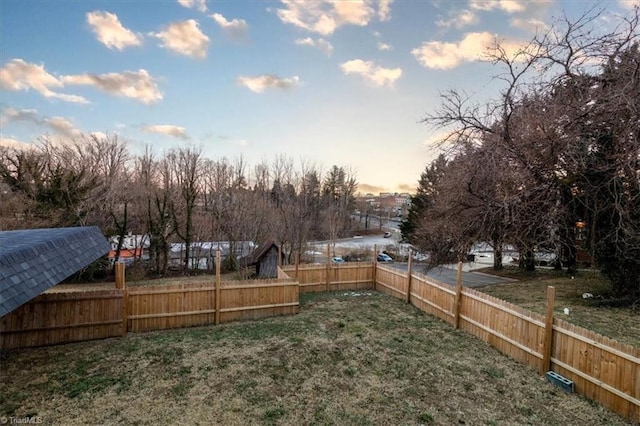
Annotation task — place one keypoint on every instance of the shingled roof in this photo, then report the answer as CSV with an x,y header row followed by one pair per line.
x,y
33,260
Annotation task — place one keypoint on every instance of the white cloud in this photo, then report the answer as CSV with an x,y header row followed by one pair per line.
x,y
446,55
138,85
313,18
13,143
62,126
371,72
384,46
263,82
58,125
509,6
527,10
20,75
110,32
320,44
236,28
459,19
201,5
325,16
353,12
11,115
531,25
99,135
384,9
185,38
168,129
629,4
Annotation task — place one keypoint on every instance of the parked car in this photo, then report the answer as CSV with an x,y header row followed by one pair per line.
x,y
420,257
544,257
387,235
540,257
337,259
384,258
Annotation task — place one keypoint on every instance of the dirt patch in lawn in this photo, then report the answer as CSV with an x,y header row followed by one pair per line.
x,y
347,358
530,292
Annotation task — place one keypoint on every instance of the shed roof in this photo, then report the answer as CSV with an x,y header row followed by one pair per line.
x,y
258,253
33,260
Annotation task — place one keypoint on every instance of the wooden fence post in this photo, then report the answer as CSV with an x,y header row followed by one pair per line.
x,y
119,270
409,266
122,284
218,284
297,264
375,266
279,256
548,331
328,265
458,297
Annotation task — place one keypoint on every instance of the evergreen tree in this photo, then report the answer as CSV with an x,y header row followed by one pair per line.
x,y
423,199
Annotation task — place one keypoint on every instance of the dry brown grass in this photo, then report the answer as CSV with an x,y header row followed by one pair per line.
x,y
619,323
347,358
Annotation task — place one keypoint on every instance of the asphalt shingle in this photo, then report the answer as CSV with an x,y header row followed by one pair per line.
x,y
33,260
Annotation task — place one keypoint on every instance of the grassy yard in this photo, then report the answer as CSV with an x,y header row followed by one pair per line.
x,y
530,292
347,358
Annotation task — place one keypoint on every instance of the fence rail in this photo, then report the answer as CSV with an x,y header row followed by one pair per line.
x,y
54,318
332,277
602,369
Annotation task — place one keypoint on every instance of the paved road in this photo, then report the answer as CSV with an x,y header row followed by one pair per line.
x,y
448,276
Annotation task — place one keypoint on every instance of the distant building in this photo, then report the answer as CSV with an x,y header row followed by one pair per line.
x,y
132,248
203,253
395,204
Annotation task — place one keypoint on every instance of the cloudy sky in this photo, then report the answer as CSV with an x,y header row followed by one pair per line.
x,y
341,82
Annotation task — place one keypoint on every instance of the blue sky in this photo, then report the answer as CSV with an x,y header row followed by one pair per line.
x,y
332,82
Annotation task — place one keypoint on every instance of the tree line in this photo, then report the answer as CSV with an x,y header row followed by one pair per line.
x,y
175,196
552,163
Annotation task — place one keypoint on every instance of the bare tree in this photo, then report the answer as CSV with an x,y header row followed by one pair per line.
x,y
564,131
152,198
184,168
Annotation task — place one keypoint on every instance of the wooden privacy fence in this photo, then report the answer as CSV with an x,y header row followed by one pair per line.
x,y
53,318
315,278
602,369
186,305
63,317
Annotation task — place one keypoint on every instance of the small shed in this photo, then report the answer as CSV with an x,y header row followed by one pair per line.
x,y
265,259
33,260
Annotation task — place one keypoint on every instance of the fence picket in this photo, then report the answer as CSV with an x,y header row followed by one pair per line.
x,y
602,369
